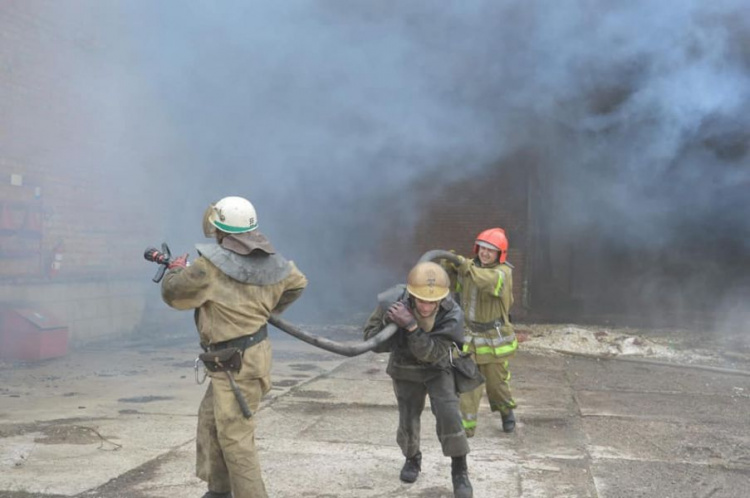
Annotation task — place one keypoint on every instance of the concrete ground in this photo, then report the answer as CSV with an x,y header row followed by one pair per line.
x,y
118,420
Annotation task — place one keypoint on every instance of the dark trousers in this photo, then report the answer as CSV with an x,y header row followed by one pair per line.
x,y
444,402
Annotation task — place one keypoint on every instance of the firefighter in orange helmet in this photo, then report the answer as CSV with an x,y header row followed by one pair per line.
x,y
485,286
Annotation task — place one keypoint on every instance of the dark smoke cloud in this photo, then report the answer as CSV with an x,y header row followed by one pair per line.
x,y
321,112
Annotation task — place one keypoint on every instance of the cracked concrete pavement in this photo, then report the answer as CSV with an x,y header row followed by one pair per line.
x,y
118,420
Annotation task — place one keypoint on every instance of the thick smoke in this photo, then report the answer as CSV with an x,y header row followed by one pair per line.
x,y
650,165
326,115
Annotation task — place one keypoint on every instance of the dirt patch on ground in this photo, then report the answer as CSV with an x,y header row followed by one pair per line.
x,y
286,383
304,367
68,434
144,399
311,394
48,429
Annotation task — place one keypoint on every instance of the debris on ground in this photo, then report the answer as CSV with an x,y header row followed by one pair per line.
x,y
676,346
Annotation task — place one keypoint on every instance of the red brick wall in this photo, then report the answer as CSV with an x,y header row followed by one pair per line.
x,y
56,149
452,216
50,139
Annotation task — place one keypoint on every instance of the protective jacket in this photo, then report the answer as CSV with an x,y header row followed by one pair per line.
x,y
233,295
419,355
486,298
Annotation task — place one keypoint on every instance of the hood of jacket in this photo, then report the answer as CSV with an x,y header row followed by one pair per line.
x,y
257,267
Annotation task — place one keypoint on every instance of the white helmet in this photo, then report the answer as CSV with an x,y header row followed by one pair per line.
x,y
233,215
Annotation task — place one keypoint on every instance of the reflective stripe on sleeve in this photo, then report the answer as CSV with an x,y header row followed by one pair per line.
x,y
499,284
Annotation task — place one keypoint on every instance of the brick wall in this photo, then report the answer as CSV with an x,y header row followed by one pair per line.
x,y
55,192
451,216
56,162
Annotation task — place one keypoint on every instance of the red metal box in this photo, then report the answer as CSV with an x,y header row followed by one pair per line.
x,y
32,334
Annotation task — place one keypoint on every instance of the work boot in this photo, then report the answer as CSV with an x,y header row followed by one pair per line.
x,y
216,494
460,475
509,421
412,467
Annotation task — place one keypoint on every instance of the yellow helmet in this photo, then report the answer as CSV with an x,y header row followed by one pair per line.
x,y
428,281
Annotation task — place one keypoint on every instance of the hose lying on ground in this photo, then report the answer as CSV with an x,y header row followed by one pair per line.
x,y
354,348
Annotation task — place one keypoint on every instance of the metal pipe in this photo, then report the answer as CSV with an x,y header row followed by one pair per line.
x,y
355,348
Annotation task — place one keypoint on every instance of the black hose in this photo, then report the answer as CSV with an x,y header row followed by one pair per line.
x,y
356,348
344,349
436,254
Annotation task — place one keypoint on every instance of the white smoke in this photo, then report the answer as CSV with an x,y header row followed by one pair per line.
x,y
327,114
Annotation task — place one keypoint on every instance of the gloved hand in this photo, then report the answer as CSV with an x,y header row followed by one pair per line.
x,y
399,314
463,265
448,265
179,262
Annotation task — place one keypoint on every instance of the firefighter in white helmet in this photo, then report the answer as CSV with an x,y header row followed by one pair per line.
x,y
429,324
233,286
485,287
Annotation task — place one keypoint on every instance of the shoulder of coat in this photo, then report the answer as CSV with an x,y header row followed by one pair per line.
x,y
294,266
448,303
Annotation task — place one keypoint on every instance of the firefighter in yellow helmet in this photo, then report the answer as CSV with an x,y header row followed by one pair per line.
x,y
429,323
485,287
233,286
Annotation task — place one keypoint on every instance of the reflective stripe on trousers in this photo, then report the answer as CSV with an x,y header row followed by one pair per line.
x,y
497,346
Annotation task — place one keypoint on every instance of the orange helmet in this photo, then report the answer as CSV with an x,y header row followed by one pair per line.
x,y
493,238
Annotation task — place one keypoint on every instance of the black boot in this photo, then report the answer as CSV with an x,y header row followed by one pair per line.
x,y
412,467
460,474
509,421
216,494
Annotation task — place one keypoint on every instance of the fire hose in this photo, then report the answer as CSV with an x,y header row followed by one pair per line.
x,y
163,258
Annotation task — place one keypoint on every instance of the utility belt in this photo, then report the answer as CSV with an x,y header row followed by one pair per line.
x,y
486,326
241,343
226,356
